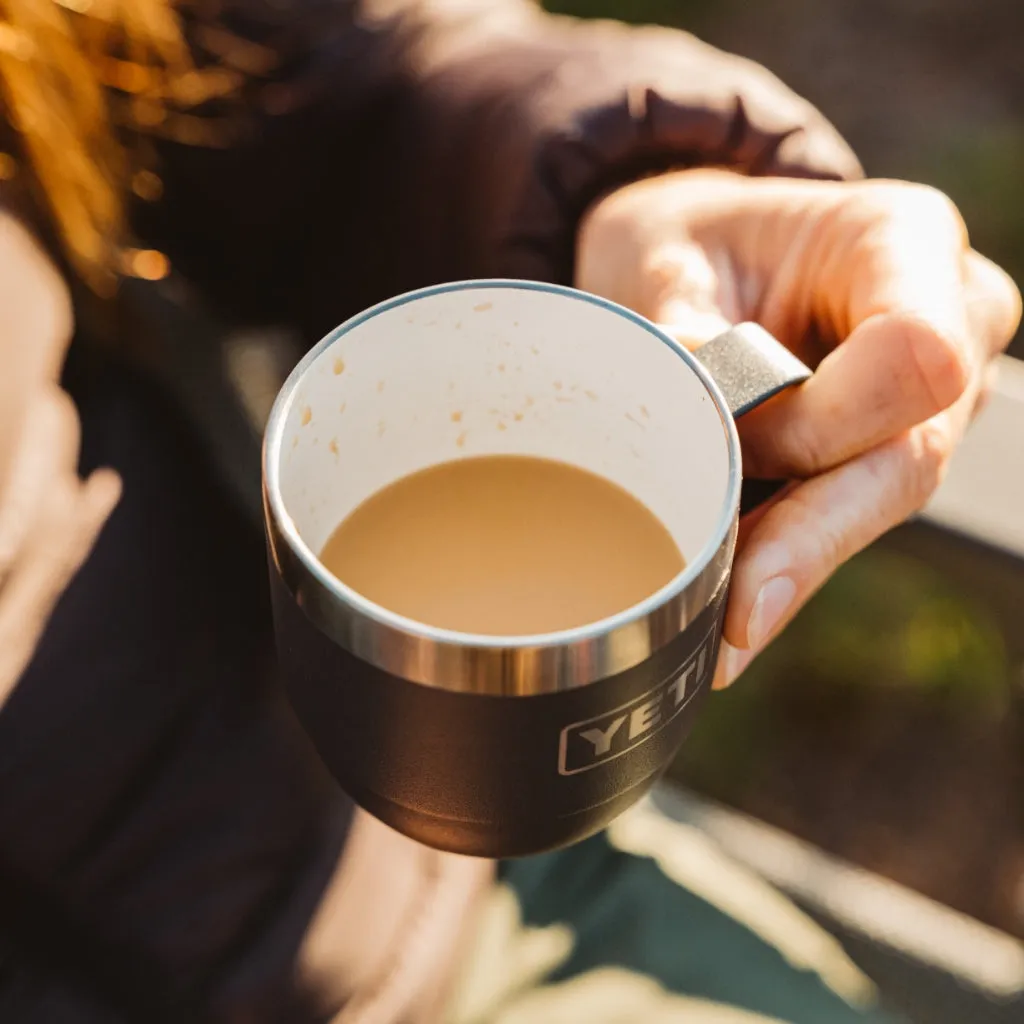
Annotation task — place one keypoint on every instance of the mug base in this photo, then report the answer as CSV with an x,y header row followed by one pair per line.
x,y
499,840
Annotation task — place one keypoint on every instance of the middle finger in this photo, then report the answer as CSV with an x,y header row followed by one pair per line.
x,y
888,376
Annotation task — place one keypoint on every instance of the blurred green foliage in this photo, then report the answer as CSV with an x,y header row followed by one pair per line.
x,y
885,627
887,619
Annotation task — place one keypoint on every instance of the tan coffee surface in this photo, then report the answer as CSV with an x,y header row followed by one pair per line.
x,y
503,545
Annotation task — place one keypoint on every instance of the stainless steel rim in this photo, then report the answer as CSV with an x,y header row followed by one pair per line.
x,y
499,665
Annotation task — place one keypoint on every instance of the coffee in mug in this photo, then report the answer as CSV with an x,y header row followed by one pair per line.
x,y
503,545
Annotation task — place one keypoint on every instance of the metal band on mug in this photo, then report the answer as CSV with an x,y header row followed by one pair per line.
x,y
739,369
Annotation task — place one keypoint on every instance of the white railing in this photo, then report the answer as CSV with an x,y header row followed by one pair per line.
x,y
885,912
983,494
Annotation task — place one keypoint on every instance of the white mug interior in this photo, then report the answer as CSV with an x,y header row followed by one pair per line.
x,y
498,369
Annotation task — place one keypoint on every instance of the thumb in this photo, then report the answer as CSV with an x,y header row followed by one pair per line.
x,y
690,326
690,300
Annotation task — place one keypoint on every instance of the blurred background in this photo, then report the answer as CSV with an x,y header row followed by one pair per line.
x,y
887,725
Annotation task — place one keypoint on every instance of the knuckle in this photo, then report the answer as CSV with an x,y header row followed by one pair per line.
x,y
920,204
663,267
994,299
931,201
800,448
928,449
792,448
940,363
824,534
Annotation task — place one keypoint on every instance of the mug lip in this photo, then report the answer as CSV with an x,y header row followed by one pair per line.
x,y
276,506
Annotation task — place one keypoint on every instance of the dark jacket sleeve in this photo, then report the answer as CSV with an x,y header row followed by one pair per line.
x,y
512,130
444,139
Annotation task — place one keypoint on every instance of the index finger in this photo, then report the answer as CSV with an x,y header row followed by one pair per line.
x,y
797,542
884,273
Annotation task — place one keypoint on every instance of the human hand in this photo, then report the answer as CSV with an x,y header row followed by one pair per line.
x,y
49,519
875,284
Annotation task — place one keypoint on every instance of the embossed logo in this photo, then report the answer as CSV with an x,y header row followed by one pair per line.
x,y
593,742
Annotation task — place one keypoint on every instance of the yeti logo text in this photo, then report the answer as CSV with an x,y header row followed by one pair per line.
x,y
585,745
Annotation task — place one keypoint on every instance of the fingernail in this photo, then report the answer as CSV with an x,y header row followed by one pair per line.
x,y
731,663
772,603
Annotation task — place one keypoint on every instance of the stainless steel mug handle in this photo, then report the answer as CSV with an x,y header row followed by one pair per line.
x,y
750,366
